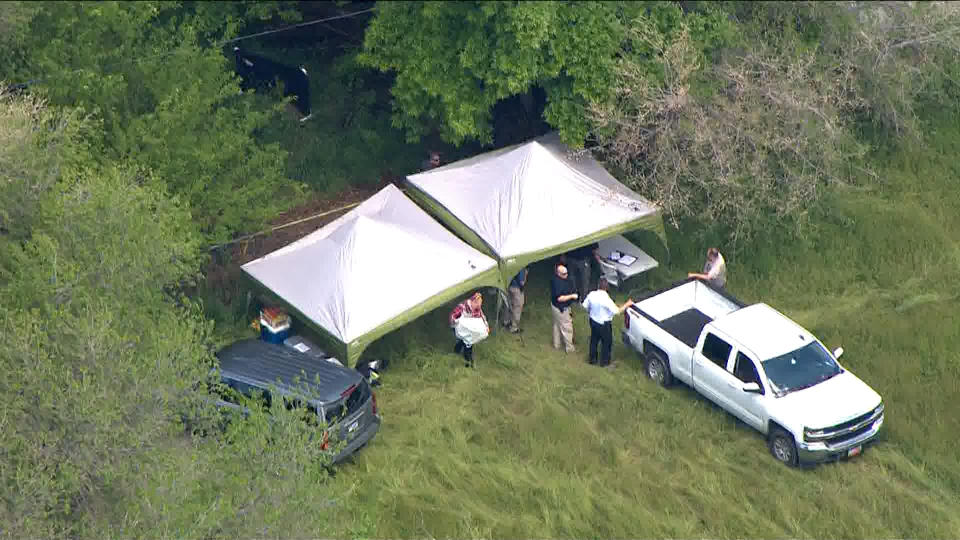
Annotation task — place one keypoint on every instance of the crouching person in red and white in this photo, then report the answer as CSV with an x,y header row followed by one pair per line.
x,y
469,326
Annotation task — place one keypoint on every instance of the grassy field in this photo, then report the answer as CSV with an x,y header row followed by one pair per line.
x,y
536,443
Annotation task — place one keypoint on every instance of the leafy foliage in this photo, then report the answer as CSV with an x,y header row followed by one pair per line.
x,y
750,136
166,101
756,150
350,121
14,24
87,385
103,361
464,57
240,473
37,143
907,56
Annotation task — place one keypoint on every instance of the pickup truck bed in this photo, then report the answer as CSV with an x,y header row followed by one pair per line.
x,y
686,325
682,310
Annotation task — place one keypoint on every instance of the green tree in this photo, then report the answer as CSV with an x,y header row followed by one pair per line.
x,y
103,361
741,143
92,351
454,60
30,160
166,99
753,135
14,26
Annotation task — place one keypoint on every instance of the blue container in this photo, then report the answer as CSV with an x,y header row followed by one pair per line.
x,y
270,336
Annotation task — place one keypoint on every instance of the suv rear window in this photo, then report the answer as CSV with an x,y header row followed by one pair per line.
x,y
355,400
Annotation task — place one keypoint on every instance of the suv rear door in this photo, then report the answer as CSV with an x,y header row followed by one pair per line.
x,y
353,411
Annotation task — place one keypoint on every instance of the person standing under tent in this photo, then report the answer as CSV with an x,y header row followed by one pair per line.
x,y
432,162
515,299
579,261
471,307
562,294
601,309
714,269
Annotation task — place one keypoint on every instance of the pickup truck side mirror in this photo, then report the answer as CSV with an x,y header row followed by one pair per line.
x,y
837,353
752,388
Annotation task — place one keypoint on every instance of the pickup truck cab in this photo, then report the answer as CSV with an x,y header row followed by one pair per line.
x,y
758,365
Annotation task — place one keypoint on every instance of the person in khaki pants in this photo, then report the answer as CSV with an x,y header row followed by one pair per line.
x,y
562,295
515,299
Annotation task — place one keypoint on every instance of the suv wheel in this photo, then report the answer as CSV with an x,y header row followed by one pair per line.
x,y
658,369
782,446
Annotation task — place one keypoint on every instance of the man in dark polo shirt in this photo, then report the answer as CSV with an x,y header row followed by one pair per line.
x,y
579,261
562,294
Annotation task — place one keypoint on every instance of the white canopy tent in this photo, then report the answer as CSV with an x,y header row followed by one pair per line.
x,y
379,266
531,201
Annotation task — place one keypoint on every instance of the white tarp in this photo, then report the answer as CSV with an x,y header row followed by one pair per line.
x,y
532,196
369,266
471,330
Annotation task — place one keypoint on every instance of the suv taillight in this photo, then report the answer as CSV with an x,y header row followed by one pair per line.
x,y
326,440
373,396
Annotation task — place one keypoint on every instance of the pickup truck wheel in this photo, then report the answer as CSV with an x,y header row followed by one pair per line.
x,y
782,446
658,369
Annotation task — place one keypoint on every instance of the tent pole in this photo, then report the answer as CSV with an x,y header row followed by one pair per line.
x,y
499,308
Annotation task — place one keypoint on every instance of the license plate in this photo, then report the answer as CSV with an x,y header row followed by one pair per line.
x,y
353,427
854,451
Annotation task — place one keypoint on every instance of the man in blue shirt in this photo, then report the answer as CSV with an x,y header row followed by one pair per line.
x,y
601,309
515,299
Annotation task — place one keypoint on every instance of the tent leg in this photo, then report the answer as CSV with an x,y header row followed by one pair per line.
x,y
499,309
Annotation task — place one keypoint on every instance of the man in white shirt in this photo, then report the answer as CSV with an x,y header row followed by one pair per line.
x,y
601,309
714,269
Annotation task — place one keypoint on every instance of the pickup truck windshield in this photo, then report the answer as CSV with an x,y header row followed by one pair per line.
x,y
799,369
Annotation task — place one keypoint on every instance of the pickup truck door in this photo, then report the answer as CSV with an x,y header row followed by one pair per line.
x,y
747,406
710,374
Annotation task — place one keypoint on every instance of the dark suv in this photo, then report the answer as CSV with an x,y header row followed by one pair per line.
x,y
341,396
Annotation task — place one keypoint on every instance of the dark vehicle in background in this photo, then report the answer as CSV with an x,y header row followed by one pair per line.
x,y
341,397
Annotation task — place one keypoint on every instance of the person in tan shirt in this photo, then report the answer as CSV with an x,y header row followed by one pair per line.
x,y
714,269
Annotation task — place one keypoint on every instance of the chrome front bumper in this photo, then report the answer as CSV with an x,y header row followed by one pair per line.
x,y
818,452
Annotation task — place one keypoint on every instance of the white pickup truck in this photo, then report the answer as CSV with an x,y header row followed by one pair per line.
x,y
758,365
